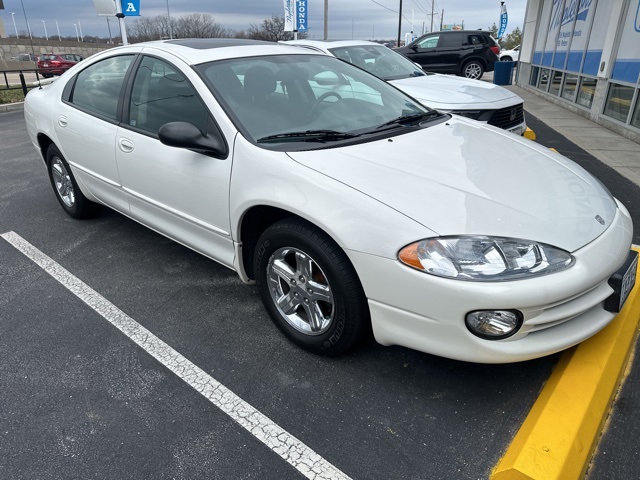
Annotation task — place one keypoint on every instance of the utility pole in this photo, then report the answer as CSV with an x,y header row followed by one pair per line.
x,y
45,30
169,18
80,27
326,19
77,37
58,29
432,2
441,19
399,24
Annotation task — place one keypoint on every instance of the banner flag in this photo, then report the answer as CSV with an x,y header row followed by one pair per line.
x,y
503,20
288,15
301,15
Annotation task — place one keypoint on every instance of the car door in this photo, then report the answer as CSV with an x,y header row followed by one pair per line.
x,y
424,52
178,192
452,49
87,124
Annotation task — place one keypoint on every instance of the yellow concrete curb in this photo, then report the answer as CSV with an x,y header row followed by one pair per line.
x,y
559,435
530,134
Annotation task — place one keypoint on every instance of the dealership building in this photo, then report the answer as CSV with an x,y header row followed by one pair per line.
x,y
585,56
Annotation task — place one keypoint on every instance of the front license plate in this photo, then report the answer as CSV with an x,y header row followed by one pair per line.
x,y
622,283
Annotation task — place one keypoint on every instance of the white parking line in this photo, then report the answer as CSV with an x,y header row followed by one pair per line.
x,y
292,450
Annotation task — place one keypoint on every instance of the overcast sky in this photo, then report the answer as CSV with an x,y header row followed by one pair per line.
x,y
358,19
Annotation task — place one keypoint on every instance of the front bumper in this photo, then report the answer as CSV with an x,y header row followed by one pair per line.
x,y
426,313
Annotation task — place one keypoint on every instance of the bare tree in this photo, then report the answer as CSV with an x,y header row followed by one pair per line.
x,y
195,25
145,29
271,30
199,25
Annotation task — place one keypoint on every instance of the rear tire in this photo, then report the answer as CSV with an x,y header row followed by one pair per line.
x,y
66,188
309,288
506,58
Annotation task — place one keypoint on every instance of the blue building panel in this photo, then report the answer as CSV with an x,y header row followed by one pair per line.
x,y
626,70
592,62
575,61
559,60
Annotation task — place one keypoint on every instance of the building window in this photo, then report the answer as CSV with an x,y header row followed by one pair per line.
x,y
635,120
619,101
556,81
586,92
569,87
545,73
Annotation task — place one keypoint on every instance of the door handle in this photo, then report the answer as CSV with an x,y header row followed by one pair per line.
x,y
126,145
63,121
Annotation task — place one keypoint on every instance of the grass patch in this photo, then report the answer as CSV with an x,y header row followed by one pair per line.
x,y
11,96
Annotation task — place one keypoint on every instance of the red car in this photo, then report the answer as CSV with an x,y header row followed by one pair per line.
x,y
51,64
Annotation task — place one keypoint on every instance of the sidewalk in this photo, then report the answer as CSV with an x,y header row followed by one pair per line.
x,y
616,151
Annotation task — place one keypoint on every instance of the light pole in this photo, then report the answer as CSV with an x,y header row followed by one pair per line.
x,y
29,29
13,17
58,29
45,30
80,27
169,17
77,37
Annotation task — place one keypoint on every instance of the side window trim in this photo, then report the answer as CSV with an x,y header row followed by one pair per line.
x,y
211,123
69,89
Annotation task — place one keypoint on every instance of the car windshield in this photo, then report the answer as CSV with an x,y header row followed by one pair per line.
x,y
379,60
283,99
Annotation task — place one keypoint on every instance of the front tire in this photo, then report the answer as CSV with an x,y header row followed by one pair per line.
x,y
506,58
473,70
309,288
66,188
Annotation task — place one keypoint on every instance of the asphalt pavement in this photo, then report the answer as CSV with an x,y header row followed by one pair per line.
x,y
83,400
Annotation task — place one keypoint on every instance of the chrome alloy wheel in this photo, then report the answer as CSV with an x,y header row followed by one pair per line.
x,y
62,181
300,290
473,71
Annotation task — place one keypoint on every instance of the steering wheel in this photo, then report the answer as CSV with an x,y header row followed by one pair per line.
x,y
321,99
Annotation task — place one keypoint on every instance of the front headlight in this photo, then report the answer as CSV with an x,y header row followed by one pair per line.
x,y
490,259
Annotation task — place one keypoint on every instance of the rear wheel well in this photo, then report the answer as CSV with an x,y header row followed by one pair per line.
x,y
44,142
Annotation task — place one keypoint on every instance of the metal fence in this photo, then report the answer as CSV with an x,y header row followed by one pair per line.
x,y
19,79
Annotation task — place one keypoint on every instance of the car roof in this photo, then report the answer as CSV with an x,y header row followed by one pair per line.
x,y
325,45
199,50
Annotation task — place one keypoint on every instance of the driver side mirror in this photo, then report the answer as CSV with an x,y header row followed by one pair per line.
x,y
187,135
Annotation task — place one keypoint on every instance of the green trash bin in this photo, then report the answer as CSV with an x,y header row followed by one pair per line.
x,y
503,72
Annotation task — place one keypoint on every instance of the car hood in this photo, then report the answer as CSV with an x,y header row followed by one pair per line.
x,y
448,92
461,177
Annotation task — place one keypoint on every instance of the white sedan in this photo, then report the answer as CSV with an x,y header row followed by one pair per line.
x,y
475,99
353,210
511,55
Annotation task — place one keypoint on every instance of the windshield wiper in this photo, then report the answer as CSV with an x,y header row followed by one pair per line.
x,y
411,119
309,136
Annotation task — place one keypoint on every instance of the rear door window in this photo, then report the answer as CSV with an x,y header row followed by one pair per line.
x,y
452,40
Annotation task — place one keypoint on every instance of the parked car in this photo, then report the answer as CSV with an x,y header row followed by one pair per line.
x,y
354,209
24,57
51,64
468,53
475,99
511,55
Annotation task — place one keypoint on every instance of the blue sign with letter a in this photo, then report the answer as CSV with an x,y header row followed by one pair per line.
x,y
131,8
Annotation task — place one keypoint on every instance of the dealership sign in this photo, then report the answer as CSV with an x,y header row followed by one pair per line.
x,y
295,15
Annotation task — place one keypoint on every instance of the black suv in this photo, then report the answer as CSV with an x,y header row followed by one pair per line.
x,y
468,53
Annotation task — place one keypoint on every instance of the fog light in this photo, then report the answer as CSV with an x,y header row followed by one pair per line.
x,y
494,324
